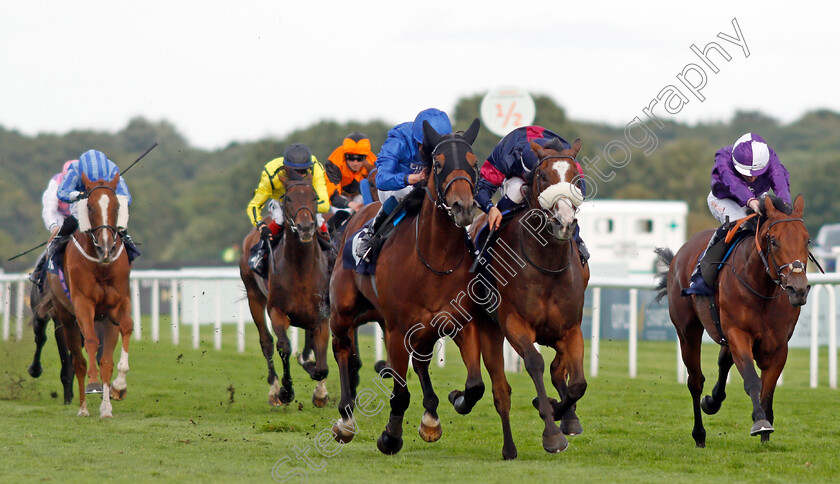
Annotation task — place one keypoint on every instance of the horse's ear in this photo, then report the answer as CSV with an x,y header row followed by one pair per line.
x,y
472,131
799,206
576,147
538,150
430,136
86,181
114,181
768,206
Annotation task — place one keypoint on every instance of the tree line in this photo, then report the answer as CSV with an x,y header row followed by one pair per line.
x,y
189,203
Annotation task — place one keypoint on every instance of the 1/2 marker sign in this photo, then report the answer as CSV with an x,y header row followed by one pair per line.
x,y
507,108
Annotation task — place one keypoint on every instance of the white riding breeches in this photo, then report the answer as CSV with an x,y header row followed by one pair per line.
x,y
512,188
398,194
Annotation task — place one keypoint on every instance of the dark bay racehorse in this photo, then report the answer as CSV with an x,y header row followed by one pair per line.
x,y
96,270
295,293
756,319
422,268
41,316
543,301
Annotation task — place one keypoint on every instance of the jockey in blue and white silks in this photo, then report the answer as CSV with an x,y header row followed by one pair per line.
x,y
96,166
400,165
509,164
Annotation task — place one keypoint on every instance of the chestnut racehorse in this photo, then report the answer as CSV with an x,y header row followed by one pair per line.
x,y
295,293
422,268
755,320
96,271
542,301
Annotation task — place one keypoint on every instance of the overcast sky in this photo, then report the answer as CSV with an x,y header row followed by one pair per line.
x,y
239,71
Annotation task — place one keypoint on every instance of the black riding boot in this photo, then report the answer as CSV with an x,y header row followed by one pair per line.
x,y
366,239
698,284
63,236
582,250
258,259
39,273
130,247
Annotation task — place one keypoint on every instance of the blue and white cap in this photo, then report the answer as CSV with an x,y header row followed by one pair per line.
x,y
750,155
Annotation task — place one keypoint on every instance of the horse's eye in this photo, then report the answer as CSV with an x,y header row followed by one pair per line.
x,y
773,242
543,176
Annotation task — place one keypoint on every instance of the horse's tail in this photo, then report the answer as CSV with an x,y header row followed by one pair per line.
x,y
666,256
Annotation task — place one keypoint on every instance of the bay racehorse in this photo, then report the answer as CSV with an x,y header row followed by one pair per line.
x,y
418,288
756,321
541,299
295,293
96,272
41,316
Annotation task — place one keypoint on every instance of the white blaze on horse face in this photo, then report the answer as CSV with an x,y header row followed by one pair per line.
x,y
104,234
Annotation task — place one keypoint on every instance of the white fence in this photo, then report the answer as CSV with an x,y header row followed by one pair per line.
x,y
179,294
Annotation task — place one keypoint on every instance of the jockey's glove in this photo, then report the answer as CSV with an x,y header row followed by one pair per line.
x,y
265,232
75,195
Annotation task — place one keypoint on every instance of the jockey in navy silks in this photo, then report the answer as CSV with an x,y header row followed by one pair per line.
x,y
400,165
508,166
96,166
741,175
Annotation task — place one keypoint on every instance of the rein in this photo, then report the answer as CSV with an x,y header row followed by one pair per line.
x,y
796,266
537,266
420,255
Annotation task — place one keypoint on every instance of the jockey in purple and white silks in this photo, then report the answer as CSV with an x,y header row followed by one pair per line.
x,y
96,166
510,162
741,175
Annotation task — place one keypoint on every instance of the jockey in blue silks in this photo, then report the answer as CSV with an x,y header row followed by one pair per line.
x,y
96,166
742,174
400,165
511,161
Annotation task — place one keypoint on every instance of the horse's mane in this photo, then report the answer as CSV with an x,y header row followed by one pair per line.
x,y
778,204
555,144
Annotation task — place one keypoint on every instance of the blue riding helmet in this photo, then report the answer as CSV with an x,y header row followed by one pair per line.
x,y
436,118
297,156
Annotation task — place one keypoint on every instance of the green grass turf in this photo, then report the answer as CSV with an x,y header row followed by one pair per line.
x,y
202,416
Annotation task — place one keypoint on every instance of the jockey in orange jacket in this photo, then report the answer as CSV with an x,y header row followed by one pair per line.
x,y
347,167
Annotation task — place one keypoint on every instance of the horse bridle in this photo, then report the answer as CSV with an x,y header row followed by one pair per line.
x,y
440,172
536,170
93,232
796,266
291,219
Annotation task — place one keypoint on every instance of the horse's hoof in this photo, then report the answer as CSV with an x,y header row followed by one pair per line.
x,y
555,443
35,370
320,402
389,445
379,366
709,406
762,428
509,454
83,413
286,396
571,426
118,394
459,402
340,435
93,388
700,445
274,400
430,429
105,411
